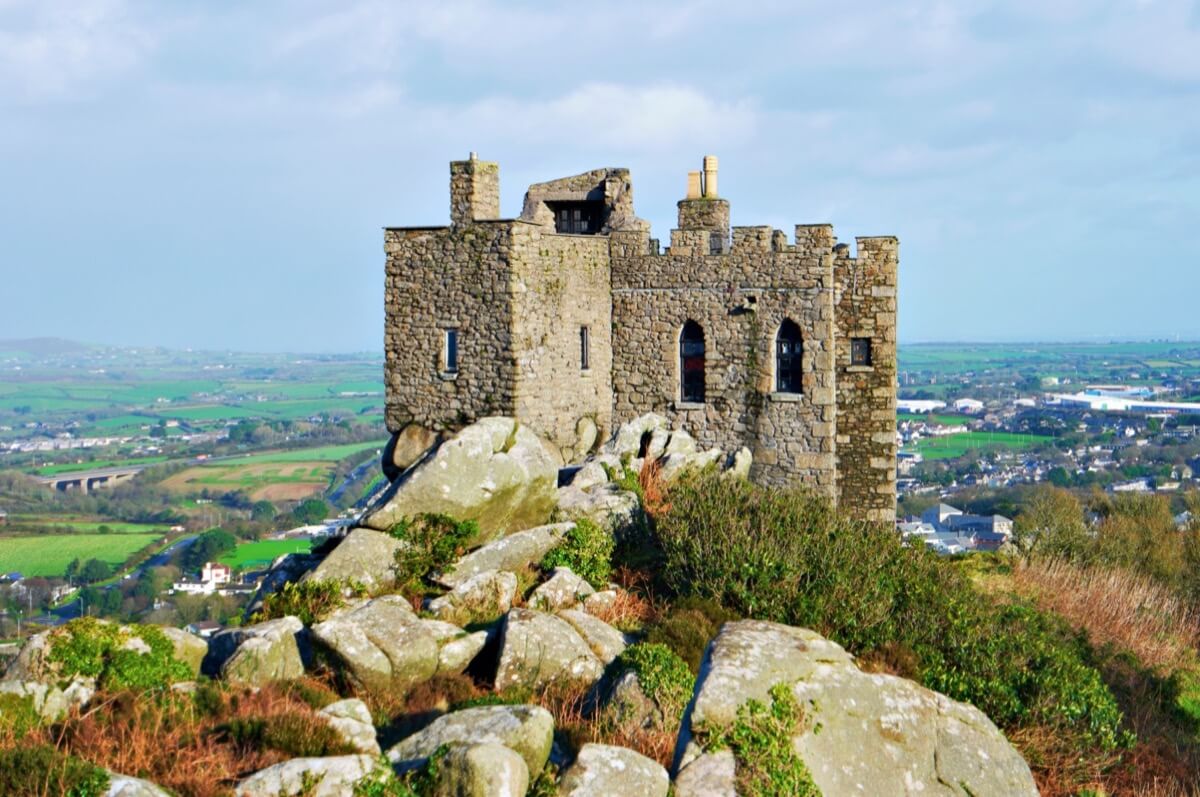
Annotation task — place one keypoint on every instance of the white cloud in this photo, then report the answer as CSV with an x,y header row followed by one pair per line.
x,y
48,50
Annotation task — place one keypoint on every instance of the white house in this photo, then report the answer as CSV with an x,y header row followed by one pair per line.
x,y
968,405
213,576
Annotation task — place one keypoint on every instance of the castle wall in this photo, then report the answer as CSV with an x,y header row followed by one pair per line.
x,y
561,283
438,278
866,419
791,436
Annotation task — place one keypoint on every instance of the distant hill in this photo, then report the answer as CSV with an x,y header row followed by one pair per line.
x,y
41,347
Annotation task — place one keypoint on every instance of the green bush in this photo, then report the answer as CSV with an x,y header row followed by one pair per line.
x,y
36,771
663,676
311,601
788,556
688,626
587,549
106,651
761,742
435,543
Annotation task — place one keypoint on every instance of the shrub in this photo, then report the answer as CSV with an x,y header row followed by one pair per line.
x,y
292,732
311,601
587,549
663,676
435,542
688,626
787,556
17,715
37,770
91,648
761,741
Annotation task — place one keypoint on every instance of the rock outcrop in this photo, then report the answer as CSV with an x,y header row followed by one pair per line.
x,y
527,730
601,770
482,770
510,554
481,598
352,720
562,590
333,776
256,655
865,734
495,471
380,643
365,556
189,648
538,649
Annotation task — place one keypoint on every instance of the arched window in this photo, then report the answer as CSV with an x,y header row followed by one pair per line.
x,y
789,352
691,363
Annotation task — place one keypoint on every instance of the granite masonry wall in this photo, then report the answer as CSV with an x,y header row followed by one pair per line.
x,y
866,395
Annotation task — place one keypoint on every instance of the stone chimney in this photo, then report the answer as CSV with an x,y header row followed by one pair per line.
x,y
474,191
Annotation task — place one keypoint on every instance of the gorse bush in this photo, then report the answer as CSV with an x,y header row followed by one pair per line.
x,y
119,657
311,601
789,557
587,549
17,715
434,543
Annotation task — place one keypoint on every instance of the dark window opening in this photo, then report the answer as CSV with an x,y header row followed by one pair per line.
x,y
450,355
585,358
577,218
691,363
716,243
789,355
860,351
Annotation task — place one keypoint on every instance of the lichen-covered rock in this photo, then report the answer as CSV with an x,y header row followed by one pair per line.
x,y
189,648
481,598
674,464
405,448
607,505
352,720
509,554
32,662
739,465
710,775
537,649
600,601
457,654
562,590
49,701
482,770
589,474
527,730
287,568
129,786
380,643
630,703
256,655
333,776
878,734
604,640
495,471
627,442
601,770
366,556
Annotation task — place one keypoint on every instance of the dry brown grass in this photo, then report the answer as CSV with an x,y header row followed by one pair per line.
x,y
634,606
569,704
1116,607
171,741
654,488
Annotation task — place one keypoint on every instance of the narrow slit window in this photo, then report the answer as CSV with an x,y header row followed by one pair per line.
x,y
691,363
585,358
450,355
789,356
860,351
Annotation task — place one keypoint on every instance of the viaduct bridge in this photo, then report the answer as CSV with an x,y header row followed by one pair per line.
x,y
87,480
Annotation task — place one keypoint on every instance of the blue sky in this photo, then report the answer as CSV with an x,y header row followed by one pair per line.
x,y
216,174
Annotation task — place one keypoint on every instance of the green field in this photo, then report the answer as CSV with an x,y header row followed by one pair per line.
x,y
956,445
73,524
49,555
68,467
321,454
251,554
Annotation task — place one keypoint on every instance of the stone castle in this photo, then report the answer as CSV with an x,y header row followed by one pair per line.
x,y
572,319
